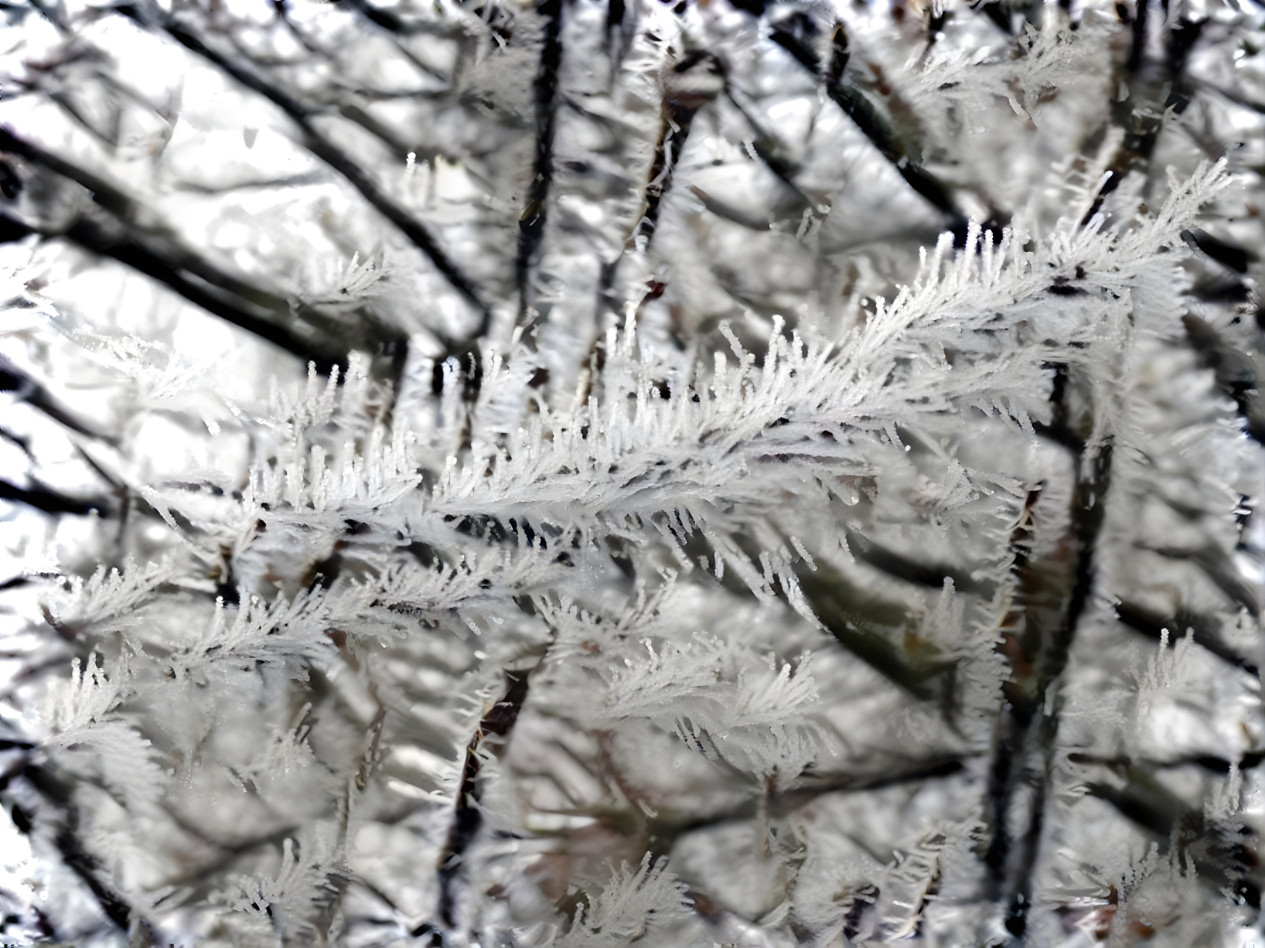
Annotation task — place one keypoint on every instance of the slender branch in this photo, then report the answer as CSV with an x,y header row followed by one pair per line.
x,y
668,828
531,226
1152,624
252,307
66,839
391,22
854,104
468,817
50,501
1142,111
93,237
1234,369
830,596
1208,762
770,151
336,158
694,81
1220,855
12,379
846,612
930,575
1032,723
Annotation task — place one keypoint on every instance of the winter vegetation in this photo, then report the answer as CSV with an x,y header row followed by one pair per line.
x,y
600,473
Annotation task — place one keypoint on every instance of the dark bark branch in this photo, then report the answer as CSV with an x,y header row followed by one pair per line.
x,y
680,105
1236,370
1229,255
1152,624
1207,762
50,501
847,612
12,379
391,22
229,853
665,830
1029,727
21,443
1141,113
828,594
338,160
66,839
1054,591
770,151
930,575
531,226
468,817
104,193
869,121
1219,858
257,309
91,236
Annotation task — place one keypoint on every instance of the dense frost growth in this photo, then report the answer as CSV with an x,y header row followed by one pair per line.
x,y
599,473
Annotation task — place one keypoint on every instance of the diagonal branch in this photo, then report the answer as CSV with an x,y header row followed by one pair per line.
x,y
164,258
93,237
1204,628
468,817
866,117
27,389
336,158
1031,724
56,791
50,501
1221,855
693,82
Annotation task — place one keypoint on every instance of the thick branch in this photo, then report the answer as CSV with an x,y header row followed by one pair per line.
x,y
531,226
66,839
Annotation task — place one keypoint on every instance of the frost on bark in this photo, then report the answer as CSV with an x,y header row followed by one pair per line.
x,y
609,473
